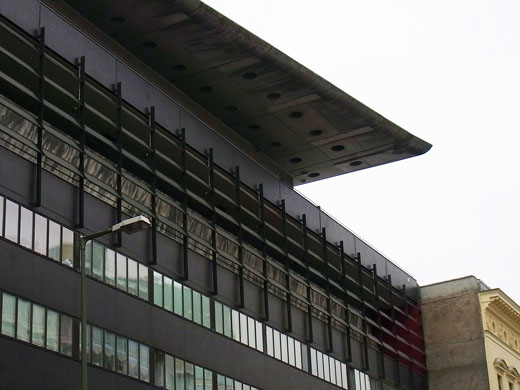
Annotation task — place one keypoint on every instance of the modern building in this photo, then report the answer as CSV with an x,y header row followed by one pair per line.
x,y
167,109
472,336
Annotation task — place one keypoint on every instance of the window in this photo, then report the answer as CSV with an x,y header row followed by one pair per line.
x,y
26,228
38,325
97,260
8,314
197,309
218,318
259,337
11,221
251,332
169,369
23,323
157,289
144,362
188,308
53,326
40,234
179,374
168,293
243,328
132,277
133,359
189,376
269,340
67,247
54,241
121,355
206,312
110,267
143,282
159,368
235,324
110,351
97,346
499,379
121,271
283,340
177,298
1,215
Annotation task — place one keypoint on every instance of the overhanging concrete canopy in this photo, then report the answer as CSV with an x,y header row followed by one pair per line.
x,y
309,127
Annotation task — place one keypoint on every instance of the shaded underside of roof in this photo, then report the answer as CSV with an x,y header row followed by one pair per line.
x,y
309,127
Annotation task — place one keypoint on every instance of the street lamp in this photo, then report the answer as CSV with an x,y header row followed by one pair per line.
x,y
129,226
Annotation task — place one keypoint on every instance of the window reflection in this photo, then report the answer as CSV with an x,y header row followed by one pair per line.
x,y
168,293
197,309
23,323
121,271
188,308
132,277
169,368
179,374
98,252
66,335
143,282
97,346
52,330
40,234
38,325
110,267
121,355
54,241
11,220
67,247
133,359
26,228
8,314
157,289
159,368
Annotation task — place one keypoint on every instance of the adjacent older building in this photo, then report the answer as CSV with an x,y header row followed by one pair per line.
x,y
471,335
167,109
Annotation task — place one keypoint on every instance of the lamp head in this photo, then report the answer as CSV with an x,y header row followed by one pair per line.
x,y
132,225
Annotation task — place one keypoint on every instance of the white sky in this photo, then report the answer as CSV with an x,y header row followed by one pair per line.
x,y
448,72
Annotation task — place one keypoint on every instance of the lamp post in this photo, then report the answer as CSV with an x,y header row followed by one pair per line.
x,y
129,226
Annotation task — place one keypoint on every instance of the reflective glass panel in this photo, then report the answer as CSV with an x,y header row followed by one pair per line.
x,y
23,323
229,384
269,340
122,355
243,328
305,358
169,372
238,385
177,298
290,348
197,309
40,234
88,258
132,276
226,314
314,363
332,368
206,312
218,318
179,374
121,271
67,247
144,363
251,332
338,373
97,346
66,335
283,342
52,330
133,358
189,376
326,371
11,221
110,351
298,354
143,282
38,325
235,321
199,378
54,241
188,306
98,252
208,380
26,228
259,337
221,382
168,293
276,342
159,368
110,267
157,289
344,375
319,361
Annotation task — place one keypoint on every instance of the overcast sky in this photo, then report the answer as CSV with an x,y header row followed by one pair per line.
x,y
446,71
